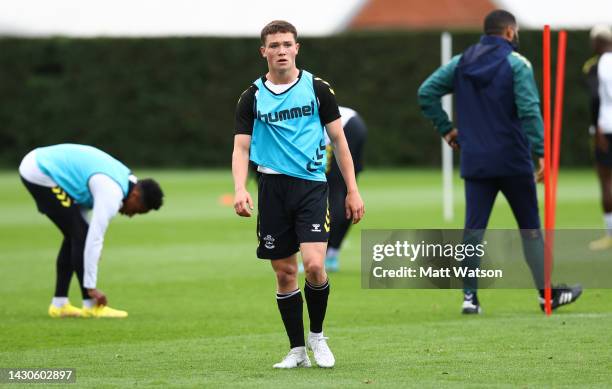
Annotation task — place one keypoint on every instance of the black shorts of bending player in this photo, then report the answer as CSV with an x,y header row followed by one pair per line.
x,y
604,158
290,211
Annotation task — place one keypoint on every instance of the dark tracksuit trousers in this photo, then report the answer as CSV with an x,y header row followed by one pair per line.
x,y
520,191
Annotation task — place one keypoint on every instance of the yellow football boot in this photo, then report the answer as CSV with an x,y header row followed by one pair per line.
x,y
604,243
66,310
103,311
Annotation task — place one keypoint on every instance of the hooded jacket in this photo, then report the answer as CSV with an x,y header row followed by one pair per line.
x,y
497,105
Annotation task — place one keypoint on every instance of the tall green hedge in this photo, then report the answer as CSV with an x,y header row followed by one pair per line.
x,y
170,102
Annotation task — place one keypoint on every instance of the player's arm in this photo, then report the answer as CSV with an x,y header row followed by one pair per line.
x,y
107,196
430,94
243,203
330,117
355,208
527,101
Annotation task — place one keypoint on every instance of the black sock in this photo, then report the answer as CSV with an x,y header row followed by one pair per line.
x,y
291,306
316,300
78,246
63,269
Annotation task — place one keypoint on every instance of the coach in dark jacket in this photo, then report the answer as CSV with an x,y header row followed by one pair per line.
x,y
498,125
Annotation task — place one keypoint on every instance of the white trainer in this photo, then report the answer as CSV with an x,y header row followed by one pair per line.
x,y
322,354
297,357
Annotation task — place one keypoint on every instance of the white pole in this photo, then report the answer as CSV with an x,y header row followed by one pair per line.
x,y
446,43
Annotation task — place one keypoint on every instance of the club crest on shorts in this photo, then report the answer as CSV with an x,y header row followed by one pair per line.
x,y
269,242
316,228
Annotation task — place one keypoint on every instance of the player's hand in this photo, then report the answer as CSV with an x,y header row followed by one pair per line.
x,y
539,175
98,296
601,142
354,206
243,203
451,138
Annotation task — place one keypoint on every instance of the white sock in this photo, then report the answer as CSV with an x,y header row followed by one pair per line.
x,y
301,349
608,221
89,303
59,301
332,252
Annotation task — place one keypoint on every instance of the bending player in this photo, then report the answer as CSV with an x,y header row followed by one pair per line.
x,y
67,180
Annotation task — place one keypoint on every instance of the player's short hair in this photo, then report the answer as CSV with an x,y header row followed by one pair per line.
x,y
276,26
152,196
496,22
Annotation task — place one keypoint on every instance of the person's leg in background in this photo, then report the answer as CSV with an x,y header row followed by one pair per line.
x,y
480,196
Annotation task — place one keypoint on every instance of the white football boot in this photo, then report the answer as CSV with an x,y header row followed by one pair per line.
x,y
297,357
322,354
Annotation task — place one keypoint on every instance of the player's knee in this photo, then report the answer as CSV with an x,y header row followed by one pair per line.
x,y
286,276
315,269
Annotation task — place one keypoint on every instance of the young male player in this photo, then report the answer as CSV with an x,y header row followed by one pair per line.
x,y
65,181
280,121
498,121
598,71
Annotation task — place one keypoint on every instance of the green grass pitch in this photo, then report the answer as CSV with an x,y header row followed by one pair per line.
x,y
203,313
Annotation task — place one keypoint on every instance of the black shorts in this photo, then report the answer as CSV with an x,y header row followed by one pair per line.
x,y
60,208
50,200
605,158
290,211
